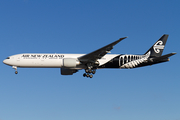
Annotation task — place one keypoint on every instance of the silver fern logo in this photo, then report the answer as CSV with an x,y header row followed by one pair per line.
x,y
158,45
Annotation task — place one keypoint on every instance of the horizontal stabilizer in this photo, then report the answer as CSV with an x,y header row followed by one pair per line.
x,y
164,56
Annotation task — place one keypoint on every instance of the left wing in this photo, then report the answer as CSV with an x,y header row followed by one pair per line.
x,y
98,54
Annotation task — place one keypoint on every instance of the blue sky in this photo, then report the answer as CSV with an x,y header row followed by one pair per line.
x,y
42,26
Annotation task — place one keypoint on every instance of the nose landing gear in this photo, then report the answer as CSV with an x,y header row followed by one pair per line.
x,y
15,67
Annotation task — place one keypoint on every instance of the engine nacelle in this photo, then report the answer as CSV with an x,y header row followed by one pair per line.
x,y
70,62
65,71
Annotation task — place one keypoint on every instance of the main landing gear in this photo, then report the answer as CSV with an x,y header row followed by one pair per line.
x,y
91,69
89,73
15,67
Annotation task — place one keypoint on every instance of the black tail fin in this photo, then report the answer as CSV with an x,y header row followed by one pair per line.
x,y
157,49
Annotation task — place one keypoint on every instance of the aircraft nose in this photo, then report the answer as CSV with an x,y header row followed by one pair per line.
x,y
5,61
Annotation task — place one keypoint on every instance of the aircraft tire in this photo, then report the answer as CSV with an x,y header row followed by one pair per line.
x,y
91,76
84,75
87,75
86,70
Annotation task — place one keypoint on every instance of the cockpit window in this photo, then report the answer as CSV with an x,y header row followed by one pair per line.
x,y
8,58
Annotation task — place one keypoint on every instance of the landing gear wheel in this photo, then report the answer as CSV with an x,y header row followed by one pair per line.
x,y
86,70
87,75
16,72
91,76
93,72
84,75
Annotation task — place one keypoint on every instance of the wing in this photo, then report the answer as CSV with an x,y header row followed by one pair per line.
x,y
98,54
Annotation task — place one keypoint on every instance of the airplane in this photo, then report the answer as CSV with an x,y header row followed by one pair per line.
x,y
98,59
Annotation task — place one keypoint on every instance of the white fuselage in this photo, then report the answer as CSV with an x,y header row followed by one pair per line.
x,y
36,60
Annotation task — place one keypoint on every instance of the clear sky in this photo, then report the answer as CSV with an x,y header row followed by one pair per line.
x,y
82,26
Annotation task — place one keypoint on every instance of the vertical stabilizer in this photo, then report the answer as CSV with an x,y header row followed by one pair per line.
x,y
157,49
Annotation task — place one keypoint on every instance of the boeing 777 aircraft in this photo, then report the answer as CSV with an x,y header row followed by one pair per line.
x,y
98,59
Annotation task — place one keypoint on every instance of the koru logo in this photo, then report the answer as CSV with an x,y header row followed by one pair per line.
x,y
159,45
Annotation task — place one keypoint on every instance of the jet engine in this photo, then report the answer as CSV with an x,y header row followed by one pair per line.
x,y
70,62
